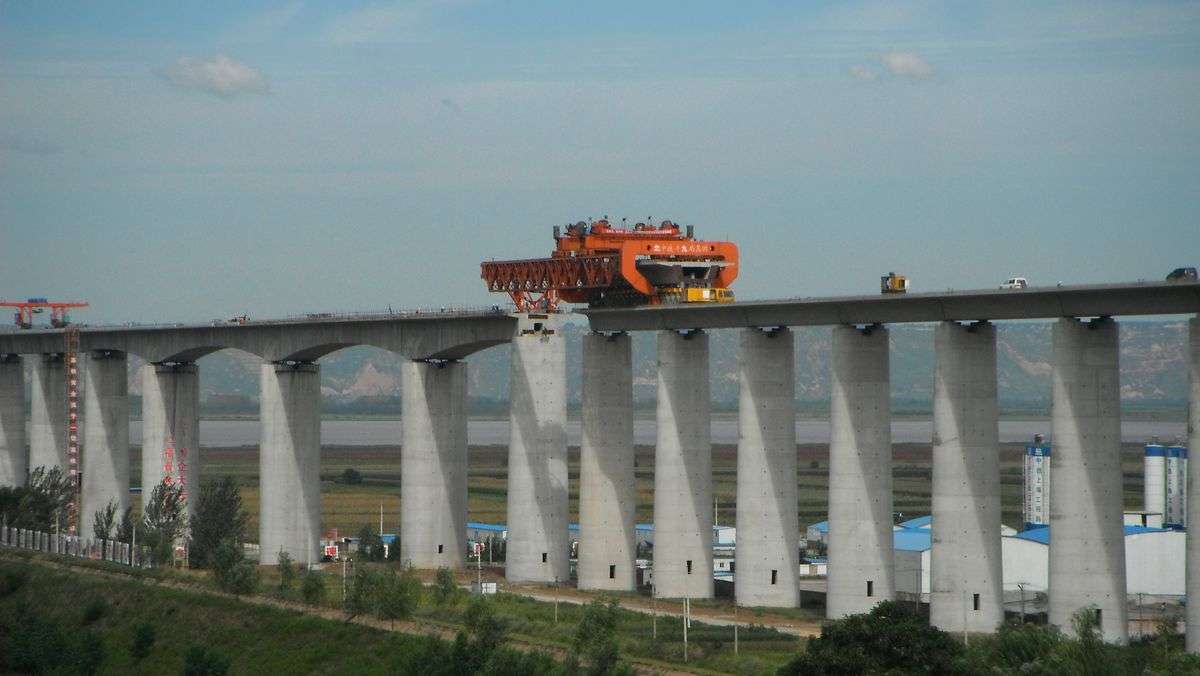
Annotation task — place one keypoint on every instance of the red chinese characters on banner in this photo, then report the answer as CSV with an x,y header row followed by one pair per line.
x,y
183,484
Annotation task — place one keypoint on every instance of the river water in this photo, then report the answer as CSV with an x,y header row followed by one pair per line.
x,y
488,432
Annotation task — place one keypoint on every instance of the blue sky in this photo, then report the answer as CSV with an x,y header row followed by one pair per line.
x,y
184,163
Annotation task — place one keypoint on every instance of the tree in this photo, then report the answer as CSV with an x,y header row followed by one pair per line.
x,y
360,596
312,588
202,661
892,638
218,518
163,520
351,476
39,505
287,572
370,545
596,636
445,587
398,595
484,635
104,520
125,528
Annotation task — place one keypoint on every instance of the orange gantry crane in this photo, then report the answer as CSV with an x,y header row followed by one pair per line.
x,y
26,309
602,265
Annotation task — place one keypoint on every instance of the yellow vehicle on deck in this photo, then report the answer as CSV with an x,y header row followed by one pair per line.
x,y
893,283
696,294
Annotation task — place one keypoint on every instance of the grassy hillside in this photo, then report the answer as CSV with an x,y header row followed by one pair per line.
x,y
75,616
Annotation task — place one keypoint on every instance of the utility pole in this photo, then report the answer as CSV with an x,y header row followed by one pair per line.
x,y
653,608
1021,587
479,565
687,607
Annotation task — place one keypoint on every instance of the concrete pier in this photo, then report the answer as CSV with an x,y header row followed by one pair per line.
x,y
433,465
966,564
1087,538
538,545
861,564
171,428
105,461
48,412
289,462
768,527
683,499
1193,534
607,534
13,467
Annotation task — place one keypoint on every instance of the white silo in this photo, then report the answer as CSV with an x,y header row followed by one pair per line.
x,y
1154,480
1036,505
1176,481
1183,485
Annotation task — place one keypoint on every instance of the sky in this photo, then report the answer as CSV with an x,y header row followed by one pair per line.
x,y
179,162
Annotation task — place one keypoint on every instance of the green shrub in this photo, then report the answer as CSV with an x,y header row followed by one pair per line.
x,y
445,587
202,661
397,596
144,636
287,573
233,573
94,610
890,639
351,476
12,581
312,588
596,636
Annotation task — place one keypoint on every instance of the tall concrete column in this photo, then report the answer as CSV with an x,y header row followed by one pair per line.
x,y
290,462
13,468
683,493
1193,517
538,549
105,453
768,526
433,465
607,498
48,412
1087,536
967,572
171,428
861,563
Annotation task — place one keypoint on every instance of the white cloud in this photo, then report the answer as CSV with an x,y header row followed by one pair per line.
x,y
906,64
220,76
863,73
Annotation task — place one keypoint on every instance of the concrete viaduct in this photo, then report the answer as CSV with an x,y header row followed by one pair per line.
x,y
1087,566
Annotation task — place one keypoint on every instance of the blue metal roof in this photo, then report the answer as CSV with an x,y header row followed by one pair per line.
x,y
1042,534
912,540
822,527
921,522
494,527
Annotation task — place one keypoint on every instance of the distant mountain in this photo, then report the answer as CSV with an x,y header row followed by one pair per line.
x,y
1153,369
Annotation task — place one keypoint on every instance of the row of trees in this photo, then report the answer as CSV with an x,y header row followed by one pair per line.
x,y
894,639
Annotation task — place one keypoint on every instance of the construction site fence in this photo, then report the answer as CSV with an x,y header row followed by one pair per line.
x,y
76,547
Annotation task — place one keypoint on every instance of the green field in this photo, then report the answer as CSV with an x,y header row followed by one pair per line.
x,y
349,507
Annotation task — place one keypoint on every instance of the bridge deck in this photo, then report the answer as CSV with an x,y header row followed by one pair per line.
x,y
1138,298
